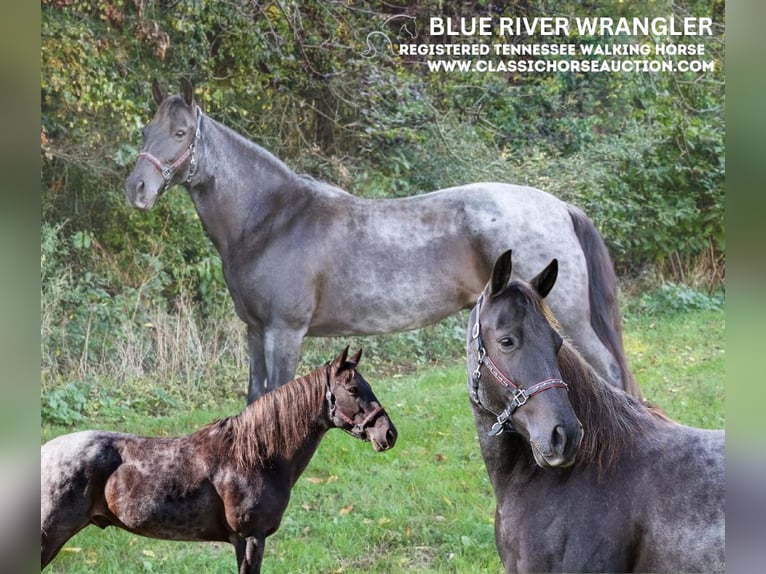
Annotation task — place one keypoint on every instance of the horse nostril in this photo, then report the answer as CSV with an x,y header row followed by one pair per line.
x,y
390,437
559,440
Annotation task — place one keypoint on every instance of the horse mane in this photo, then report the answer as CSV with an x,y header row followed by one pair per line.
x,y
611,418
276,423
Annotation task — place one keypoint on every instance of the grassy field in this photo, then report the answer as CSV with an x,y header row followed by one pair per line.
x,y
426,506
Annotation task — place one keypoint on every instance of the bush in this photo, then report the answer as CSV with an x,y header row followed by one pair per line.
x,y
674,298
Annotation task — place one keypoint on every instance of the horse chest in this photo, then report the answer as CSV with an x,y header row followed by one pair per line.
x,y
254,503
554,527
270,282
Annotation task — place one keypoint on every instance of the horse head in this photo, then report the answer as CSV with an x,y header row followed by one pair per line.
x,y
353,406
517,377
168,153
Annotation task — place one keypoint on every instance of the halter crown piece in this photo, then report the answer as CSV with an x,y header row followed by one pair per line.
x,y
520,395
169,171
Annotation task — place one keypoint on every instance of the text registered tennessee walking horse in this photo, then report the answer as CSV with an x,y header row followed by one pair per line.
x,y
302,257
228,482
586,477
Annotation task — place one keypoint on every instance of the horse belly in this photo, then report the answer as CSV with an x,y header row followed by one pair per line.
x,y
375,313
161,508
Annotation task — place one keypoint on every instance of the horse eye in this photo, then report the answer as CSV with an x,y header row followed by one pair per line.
x,y
507,343
180,133
353,391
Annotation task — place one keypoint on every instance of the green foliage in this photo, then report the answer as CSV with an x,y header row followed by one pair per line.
x,y
92,328
675,298
64,405
659,197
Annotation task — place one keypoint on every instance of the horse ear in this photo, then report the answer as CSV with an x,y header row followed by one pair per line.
x,y
501,273
187,91
158,91
340,360
545,280
354,359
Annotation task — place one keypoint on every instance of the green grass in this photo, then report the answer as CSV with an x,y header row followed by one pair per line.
x,y
678,361
427,505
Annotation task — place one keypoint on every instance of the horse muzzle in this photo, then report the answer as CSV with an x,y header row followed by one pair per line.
x,y
382,434
559,449
142,192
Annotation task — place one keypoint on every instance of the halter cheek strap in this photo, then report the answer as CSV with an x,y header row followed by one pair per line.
x,y
520,395
169,171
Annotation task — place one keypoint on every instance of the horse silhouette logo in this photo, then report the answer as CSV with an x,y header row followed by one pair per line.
x,y
401,27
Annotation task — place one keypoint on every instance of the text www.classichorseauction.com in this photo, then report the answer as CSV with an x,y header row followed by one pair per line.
x,y
628,45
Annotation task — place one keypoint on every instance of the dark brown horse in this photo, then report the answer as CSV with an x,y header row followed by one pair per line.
x,y
305,258
229,481
629,491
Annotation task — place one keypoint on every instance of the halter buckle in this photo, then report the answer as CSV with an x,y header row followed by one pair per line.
x,y
497,428
502,424
167,174
520,398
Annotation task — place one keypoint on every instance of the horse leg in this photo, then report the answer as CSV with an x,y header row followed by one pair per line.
x,y
282,348
64,508
55,536
258,381
249,554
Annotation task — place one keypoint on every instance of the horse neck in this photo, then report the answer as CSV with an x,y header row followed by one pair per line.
x,y
237,183
507,457
282,428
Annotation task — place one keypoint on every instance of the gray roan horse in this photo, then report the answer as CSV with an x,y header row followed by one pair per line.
x,y
586,477
301,257
229,481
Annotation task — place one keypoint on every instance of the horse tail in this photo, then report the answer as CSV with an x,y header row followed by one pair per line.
x,y
602,294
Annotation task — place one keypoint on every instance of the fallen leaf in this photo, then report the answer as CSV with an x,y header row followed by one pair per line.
x,y
345,510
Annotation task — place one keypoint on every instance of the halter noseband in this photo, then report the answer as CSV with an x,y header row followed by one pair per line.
x,y
167,172
334,411
520,395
